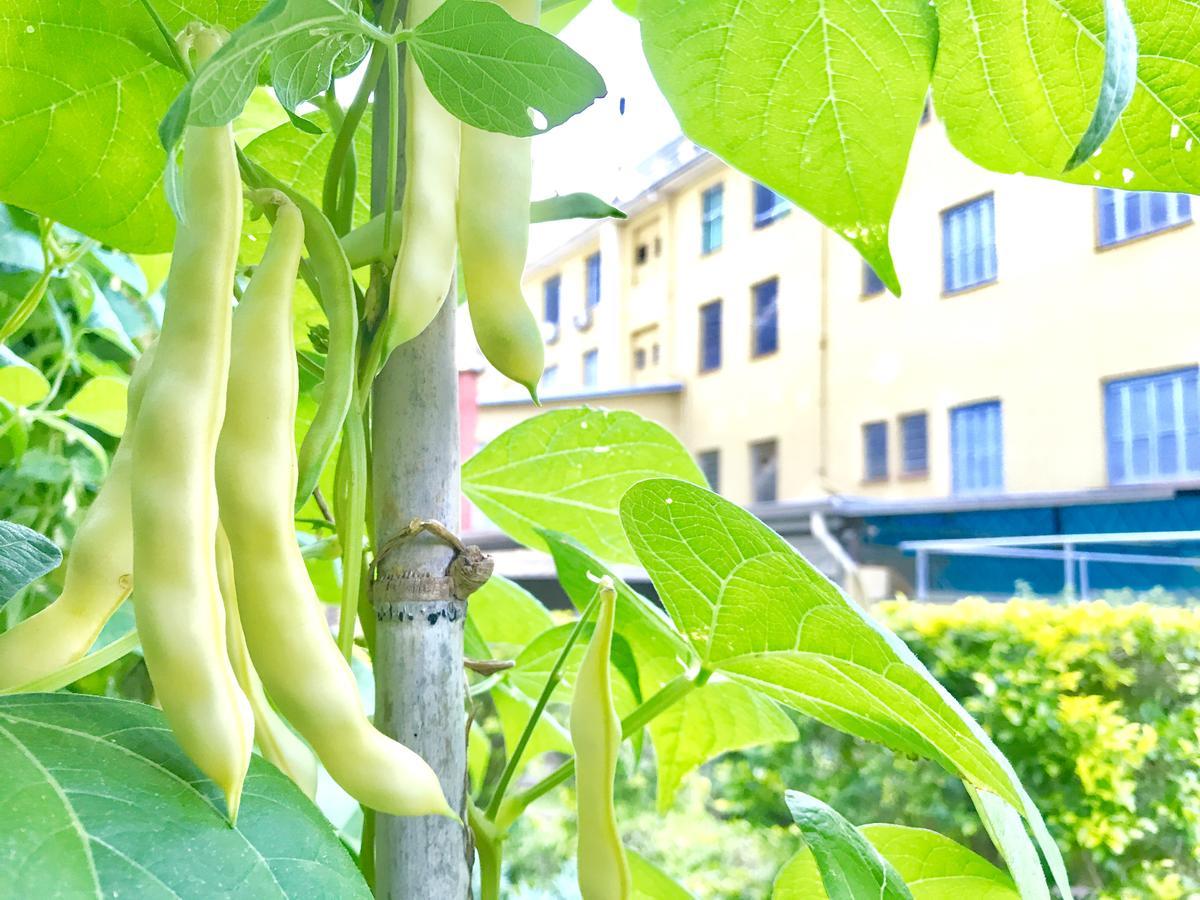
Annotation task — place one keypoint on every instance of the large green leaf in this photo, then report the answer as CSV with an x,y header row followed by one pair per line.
x,y
849,867
572,206
25,556
101,403
490,70
1016,92
508,616
754,608
514,709
817,99
711,720
651,882
566,470
101,802
937,868
82,87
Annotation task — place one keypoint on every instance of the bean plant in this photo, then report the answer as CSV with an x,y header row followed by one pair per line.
x,y
221,281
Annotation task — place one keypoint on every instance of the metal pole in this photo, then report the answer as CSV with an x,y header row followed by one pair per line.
x,y
1069,571
419,681
1084,586
922,575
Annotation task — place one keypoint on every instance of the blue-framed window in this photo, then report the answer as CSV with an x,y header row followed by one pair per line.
x,y
768,206
710,336
977,448
872,284
1153,427
551,290
549,377
592,270
591,368
1125,215
969,244
875,451
764,471
766,317
914,443
710,464
712,218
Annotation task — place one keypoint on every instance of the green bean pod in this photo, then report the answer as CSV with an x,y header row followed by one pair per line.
x,y
98,574
596,735
180,617
277,743
335,291
426,258
290,642
495,175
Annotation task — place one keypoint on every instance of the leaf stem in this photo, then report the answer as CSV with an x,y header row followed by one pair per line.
x,y
344,141
670,693
81,668
552,682
181,61
389,203
355,489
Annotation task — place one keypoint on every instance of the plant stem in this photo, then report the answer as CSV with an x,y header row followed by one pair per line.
x,y
344,142
81,668
393,63
488,847
352,521
669,694
366,847
552,682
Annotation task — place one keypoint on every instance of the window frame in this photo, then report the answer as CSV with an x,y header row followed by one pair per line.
x,y
870,278
772,443
710,221
713,454
556,322
755,351
876,469
1179,377
944,219
901,429
1097,205
592,355
958,488
720,327
591,276
781,206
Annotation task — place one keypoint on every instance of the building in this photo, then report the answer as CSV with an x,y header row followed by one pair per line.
x,y
1043,357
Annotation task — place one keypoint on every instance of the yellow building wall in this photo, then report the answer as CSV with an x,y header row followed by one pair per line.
x,y
1060,319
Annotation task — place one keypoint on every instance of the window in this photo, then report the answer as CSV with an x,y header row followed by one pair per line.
x,y
1125,215
710,336
712,218
872,284
969,245
592,268
977,448
639,358
927,111
591,362
549,377
710,464
1153,427
766,317
875,451
654,354
764,470
768,206
550,292
914,444
642,254
657,246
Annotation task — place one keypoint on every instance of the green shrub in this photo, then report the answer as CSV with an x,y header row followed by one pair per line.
x,y
1097,706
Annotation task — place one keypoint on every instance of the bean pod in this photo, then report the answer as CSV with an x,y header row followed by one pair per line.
x,y
285,628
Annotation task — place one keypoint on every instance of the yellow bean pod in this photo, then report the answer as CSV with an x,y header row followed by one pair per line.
x,y
289,639
180,617
426,258
98,574
277,743
596,735
493,233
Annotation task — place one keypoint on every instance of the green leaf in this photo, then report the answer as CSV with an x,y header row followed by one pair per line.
x,y
535,662
850,867
1016,92
103,803
711,720
660,651
566,470
651,882
82,85
307,39
25,556
937,868
558,15
572,206
1120,78
817,100
479,755
1007,831
22,385
101,402
753,608
507,616
514,710
799,879
489,70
